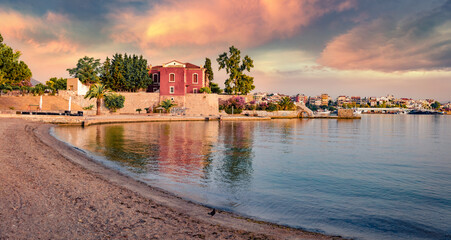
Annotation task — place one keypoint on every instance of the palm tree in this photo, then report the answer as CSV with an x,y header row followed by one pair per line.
x,y
97,91
167,104
286,104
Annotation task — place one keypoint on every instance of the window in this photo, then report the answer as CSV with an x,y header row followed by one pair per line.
x,y
155,89
195,78
194,90
171,89
156,79
172,77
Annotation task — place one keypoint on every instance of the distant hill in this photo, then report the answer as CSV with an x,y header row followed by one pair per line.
x,y
34,82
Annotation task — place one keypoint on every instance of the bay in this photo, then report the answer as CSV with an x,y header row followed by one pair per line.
x,y
381,177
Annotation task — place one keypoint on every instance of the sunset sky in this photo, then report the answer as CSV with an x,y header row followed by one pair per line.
x,y
347,47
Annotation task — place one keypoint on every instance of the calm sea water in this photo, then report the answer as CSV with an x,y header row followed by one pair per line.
x,y
381,177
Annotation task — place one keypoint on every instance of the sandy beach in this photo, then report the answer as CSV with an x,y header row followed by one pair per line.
x,y
49,190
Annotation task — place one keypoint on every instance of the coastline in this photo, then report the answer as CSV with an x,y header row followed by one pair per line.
x,y
52,190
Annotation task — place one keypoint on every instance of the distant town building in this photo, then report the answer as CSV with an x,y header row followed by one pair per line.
x,y
301,98
356,99
324,99
74,85
177,79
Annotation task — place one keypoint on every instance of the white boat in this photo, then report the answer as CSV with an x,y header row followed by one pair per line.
x,y
322,113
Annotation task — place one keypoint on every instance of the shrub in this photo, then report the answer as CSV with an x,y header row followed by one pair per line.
x,y
139,110
251,107
114,101
235,103
167,104
88,107
263,106
272,107
205,90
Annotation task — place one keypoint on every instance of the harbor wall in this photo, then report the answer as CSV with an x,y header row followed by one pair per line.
x,y
195,104
275,114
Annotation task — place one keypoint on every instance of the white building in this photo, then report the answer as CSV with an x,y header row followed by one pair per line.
x,y
74,85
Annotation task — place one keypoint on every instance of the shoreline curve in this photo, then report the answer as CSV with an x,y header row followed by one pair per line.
x,y
117,199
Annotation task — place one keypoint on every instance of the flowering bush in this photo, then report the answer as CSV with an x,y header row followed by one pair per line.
x,y
235,103
263,106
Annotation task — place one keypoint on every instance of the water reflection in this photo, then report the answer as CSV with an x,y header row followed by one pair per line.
x,y
182,151
235,160
390,171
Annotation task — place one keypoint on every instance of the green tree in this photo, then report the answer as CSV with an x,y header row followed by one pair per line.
x,y
167,104
105,74
13,71
117,73
87,70
238,82
126,73
208,70
56,84
205,90
214,87
97,91
39,89
436,105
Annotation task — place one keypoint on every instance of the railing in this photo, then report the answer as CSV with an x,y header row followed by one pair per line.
x,y
178,111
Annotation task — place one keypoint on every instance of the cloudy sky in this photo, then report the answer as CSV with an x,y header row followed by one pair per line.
x,y
350,47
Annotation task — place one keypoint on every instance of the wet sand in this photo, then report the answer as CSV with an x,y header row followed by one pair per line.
x,y
49,190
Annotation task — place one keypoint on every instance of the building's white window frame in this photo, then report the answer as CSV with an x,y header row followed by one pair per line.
x,y
156,78
195,78
171,89
155,89
194,90
173,74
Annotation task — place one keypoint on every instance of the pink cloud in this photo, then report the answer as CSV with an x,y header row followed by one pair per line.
x,y
415,44
223,22
45,34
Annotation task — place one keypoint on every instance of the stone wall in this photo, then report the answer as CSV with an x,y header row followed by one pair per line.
x,y
140,100
275,114
78,99
202,104
345,113
196,104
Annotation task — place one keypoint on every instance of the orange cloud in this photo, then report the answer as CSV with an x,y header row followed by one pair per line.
x,y
418,44
44,41
223,22
45,34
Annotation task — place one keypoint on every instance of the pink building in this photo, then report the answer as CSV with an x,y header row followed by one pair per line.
x,y
177,79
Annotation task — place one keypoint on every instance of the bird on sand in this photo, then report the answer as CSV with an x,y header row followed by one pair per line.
x,y
212,213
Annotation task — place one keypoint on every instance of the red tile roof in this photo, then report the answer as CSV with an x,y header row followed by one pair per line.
x,y
190,65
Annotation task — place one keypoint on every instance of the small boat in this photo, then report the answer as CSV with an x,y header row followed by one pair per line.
x,y
425,112
323,113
